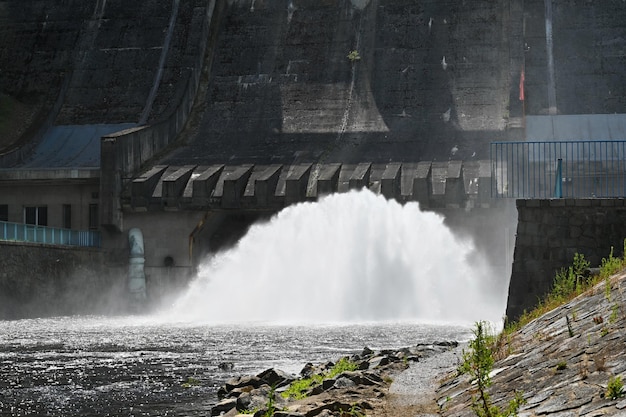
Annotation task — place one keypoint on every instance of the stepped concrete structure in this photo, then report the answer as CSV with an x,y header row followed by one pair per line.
x,y
218,113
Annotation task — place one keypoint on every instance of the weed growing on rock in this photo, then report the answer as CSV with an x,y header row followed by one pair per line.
x,y
299,389
610,266
569,327
478,363
615,388
572,279
583,368
562,365
270,407
354,411
614,313
354,56
191,382
344,365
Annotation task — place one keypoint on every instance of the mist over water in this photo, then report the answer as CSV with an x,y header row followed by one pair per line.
x,y
352,257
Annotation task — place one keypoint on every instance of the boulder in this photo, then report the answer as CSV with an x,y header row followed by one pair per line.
x,y
343,382
275,378
242,381
223,406
257,399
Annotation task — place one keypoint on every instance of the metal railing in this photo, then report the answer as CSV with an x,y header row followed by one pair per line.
x,y
571,169
21,232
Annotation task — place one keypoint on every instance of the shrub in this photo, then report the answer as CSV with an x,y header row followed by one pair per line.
x,y
478,363
615,388
354,56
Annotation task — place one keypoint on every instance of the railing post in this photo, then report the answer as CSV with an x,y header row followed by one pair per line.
x,y
558,181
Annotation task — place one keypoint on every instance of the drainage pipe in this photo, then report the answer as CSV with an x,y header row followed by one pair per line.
x,y
136,275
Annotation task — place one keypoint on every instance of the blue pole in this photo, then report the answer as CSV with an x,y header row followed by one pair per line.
x,y
558,182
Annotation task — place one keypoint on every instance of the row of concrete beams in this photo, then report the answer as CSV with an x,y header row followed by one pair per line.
x,y
432,184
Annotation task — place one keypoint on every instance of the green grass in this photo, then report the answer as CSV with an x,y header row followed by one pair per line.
x,y
299,388
569,283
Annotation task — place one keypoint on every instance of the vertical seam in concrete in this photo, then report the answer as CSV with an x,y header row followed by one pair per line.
x,y
550,53
159,74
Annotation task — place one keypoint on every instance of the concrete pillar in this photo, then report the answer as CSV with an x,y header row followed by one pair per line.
x,y
234,186
455,186
265,185
204,184
422,183
143,187
390,181
361,176
296,183
174,185
328,179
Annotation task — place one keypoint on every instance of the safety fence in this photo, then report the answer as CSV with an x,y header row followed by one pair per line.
x,y
569,169
20,232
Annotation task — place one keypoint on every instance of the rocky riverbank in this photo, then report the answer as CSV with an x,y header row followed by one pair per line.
x,y
562,363
366,390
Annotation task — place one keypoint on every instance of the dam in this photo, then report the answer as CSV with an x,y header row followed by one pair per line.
x,y
193,120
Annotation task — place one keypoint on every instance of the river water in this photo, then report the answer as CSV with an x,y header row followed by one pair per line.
x,y
316,282
134,366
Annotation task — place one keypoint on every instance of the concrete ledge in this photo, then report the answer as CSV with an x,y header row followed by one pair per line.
x,y
219,187
361,176
204,184
296,183
328,179
390,181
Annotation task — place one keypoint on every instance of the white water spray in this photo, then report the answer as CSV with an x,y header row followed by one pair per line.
x,y
350,257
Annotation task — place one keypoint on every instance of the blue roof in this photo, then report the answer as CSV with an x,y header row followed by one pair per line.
x,y
72,146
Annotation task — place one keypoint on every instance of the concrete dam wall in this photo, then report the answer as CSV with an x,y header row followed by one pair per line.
x,y
353,81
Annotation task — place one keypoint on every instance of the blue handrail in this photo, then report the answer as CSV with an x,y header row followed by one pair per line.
x,y
21,232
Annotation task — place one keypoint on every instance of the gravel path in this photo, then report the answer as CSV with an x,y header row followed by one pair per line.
x,y
412,393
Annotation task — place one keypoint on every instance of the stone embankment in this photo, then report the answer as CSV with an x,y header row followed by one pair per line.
x,y
562,362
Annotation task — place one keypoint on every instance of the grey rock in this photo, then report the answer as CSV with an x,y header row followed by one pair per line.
x,y
275,377
343,382
223,406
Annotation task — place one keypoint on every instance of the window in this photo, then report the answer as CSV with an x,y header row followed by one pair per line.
x,y
36,215
93,217
67,216
4,212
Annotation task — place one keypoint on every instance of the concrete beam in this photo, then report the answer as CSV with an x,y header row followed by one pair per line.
x,y
143,186
455,186
235,185
423,183
361,176
265,185
204,184
328,179
296,183
391,180
174,184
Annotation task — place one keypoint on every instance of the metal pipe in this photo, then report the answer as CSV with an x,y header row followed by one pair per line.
x,y
136,274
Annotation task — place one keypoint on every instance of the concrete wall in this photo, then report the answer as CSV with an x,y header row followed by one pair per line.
x,y
550,232
38,280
